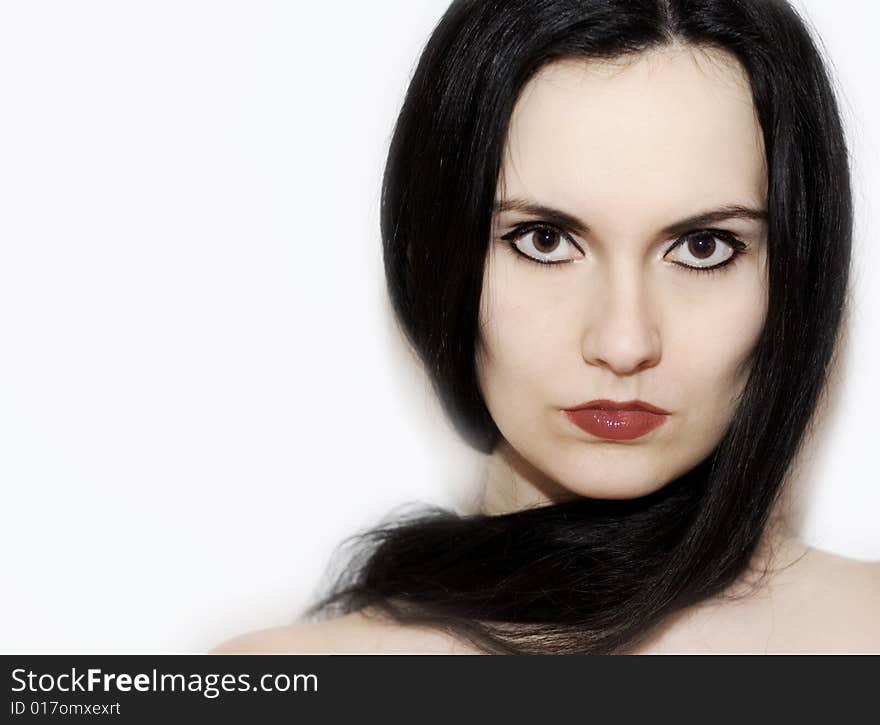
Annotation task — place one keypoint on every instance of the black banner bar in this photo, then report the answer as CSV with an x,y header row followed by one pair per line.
x,y
408,688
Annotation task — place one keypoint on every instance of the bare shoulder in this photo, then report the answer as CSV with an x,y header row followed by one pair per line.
x,y
839,577
363,632
814,602
834,602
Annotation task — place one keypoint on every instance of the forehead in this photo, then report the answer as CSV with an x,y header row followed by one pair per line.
x,y
664,130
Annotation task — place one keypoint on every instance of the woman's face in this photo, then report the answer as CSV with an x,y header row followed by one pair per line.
x,y
628,151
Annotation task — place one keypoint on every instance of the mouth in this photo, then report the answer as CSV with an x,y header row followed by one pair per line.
x,y
614,420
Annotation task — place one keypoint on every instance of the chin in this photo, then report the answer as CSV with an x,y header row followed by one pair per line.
x,y
621,488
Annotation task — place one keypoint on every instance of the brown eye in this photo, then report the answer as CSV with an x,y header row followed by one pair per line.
x,y
545,240
536,240
701,245
706,249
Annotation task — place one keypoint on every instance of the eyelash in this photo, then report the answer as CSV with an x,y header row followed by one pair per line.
x,y
738,246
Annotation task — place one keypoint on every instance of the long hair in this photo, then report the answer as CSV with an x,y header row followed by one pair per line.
x,y
591,575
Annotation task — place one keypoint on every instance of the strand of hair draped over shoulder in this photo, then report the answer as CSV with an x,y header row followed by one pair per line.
x,y
590,575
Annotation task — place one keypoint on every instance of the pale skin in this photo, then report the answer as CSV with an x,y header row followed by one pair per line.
x,y
629,148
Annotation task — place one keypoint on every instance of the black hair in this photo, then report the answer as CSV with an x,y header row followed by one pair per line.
x,y
591,575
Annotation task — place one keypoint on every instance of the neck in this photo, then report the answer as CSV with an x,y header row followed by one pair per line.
x,y
513,484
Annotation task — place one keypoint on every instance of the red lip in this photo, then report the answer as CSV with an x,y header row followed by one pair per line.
x,y
625,405
617,421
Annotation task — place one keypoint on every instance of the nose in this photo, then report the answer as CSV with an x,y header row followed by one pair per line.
x,y
621,331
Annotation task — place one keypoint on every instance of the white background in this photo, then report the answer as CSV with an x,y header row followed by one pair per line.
x,y
201,388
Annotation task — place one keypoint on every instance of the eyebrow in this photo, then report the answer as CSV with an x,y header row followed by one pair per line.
x,y
572,223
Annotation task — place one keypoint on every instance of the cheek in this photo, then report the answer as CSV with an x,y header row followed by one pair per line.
x,y
514,357
711,353
525,338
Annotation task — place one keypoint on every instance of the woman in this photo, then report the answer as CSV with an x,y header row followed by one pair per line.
x,y
617,233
